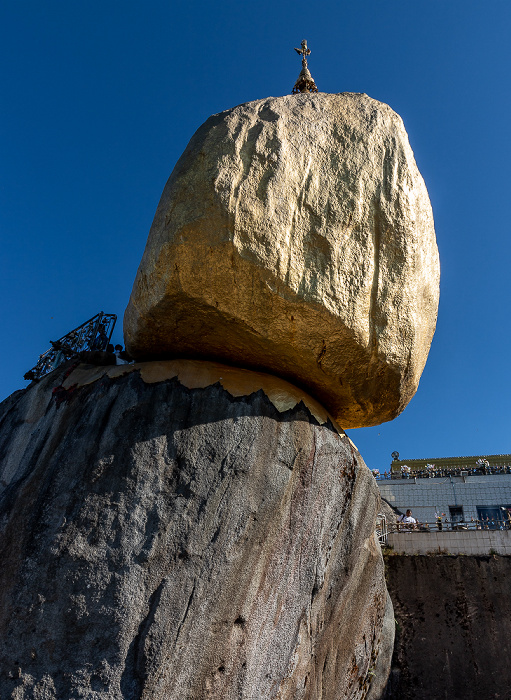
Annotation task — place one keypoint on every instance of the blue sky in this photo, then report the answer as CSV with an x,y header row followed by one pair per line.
x,y
99,99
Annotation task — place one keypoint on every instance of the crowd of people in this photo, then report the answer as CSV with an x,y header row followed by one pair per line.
x,y
437,473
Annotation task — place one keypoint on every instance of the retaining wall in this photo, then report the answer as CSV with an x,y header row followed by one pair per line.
x,y
475,542
453,631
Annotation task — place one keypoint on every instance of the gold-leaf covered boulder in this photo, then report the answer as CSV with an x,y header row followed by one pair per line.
x,y
295,235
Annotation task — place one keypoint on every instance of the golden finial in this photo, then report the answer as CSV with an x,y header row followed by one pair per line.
x,y
305,82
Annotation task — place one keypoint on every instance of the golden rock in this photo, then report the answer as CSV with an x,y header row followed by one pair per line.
x,y
295,236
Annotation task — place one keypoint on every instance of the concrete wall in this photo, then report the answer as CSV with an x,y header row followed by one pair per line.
x,y
453,632
427,496
474,542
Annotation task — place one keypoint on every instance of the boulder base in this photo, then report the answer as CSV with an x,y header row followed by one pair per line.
x,y
295,235
166,537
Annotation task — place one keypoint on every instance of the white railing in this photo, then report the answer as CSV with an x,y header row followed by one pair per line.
x,y
381,529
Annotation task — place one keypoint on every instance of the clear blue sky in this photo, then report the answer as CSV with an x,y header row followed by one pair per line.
x,y
99,99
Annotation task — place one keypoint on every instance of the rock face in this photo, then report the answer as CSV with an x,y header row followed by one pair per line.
x,y
295,235
166,537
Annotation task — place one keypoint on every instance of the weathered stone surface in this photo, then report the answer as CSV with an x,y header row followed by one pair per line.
x,y
167,541
295,235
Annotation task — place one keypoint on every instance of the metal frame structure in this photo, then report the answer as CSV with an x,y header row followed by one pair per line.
x,y
94,334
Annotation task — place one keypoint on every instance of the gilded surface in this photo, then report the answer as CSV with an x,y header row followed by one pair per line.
x,y
296,236
196,374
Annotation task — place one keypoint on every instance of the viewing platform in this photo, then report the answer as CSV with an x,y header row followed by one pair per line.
x,y
464,492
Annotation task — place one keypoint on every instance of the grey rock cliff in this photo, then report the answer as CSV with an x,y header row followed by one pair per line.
x,y
167,538
295,235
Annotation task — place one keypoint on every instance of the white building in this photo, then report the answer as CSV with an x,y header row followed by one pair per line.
x,y
461,497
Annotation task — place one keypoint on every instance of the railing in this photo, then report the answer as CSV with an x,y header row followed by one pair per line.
x,y
447,526
94,334
381,528
442,473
